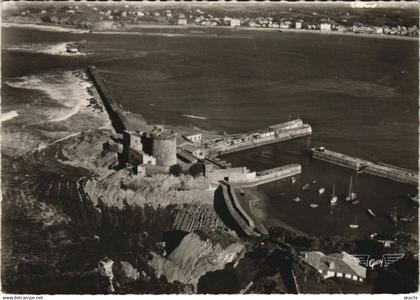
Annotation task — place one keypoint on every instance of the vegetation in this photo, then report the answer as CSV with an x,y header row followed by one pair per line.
x,y
196,169
175,170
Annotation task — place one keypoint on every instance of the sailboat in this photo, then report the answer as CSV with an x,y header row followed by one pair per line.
x,y
354,225
351,196
370,212
334,198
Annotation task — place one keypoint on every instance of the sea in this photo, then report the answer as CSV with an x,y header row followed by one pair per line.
x,y
360,95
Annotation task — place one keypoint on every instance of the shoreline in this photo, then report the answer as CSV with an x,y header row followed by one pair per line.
x,y
59,28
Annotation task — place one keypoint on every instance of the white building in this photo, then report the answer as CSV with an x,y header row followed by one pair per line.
x,y
298,25
235,22
342,265
195,138
325,27
182,21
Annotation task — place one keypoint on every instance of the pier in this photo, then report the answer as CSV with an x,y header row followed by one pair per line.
x,y
119,122
363,166
272,134
274,174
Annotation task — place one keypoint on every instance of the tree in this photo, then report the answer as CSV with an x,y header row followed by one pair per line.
x,y
196,169
175,170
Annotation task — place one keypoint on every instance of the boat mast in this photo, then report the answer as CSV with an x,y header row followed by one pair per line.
x,y
351,182
333,193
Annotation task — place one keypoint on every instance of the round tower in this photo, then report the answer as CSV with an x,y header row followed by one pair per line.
x,y
164,148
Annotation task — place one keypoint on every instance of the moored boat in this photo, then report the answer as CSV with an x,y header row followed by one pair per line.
x,y
351,196
334,198
293,180
321,190
297,199
313,205
305,187
408,219
370,212
413,197
354,225
393,217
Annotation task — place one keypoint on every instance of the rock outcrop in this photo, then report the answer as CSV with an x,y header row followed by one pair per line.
x,y
194,257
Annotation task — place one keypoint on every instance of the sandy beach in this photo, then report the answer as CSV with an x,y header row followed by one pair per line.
x,y
45,27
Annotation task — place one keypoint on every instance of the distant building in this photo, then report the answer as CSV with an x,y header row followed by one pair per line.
x,y
297,123
195,138
325,27
182,21
285,25
298,25
196,151
140,14
341,265
379,30
235,22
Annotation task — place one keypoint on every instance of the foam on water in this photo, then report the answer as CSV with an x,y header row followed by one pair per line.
x,y
194,117
44,48
8,115
66,89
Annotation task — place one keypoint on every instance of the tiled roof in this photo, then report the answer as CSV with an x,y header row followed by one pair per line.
x,y
342,263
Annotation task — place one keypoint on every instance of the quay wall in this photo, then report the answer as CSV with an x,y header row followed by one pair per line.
x,y
284,136
274,174
239,174
234,207
363,166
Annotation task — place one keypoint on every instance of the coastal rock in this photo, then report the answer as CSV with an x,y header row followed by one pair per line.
x,y
194,257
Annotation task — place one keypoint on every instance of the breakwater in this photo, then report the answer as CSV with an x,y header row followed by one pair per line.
x,y
240,210
278,173
259,138
114,110
363,166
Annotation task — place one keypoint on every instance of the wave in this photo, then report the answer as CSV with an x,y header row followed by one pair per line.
x,y
45,27
194,117
50,49
68,91
8,115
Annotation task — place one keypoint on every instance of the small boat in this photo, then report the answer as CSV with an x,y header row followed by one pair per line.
x,y
373,235
293,180
351,196
414,197
314,181
407,219
393,217
355,202
297,199
313,205
321,190
371,212
334,198
354,225
305,187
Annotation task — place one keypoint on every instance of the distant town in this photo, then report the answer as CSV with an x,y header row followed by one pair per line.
x,y
108,17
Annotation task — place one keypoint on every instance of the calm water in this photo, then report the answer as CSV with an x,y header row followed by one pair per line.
x,y
359,94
